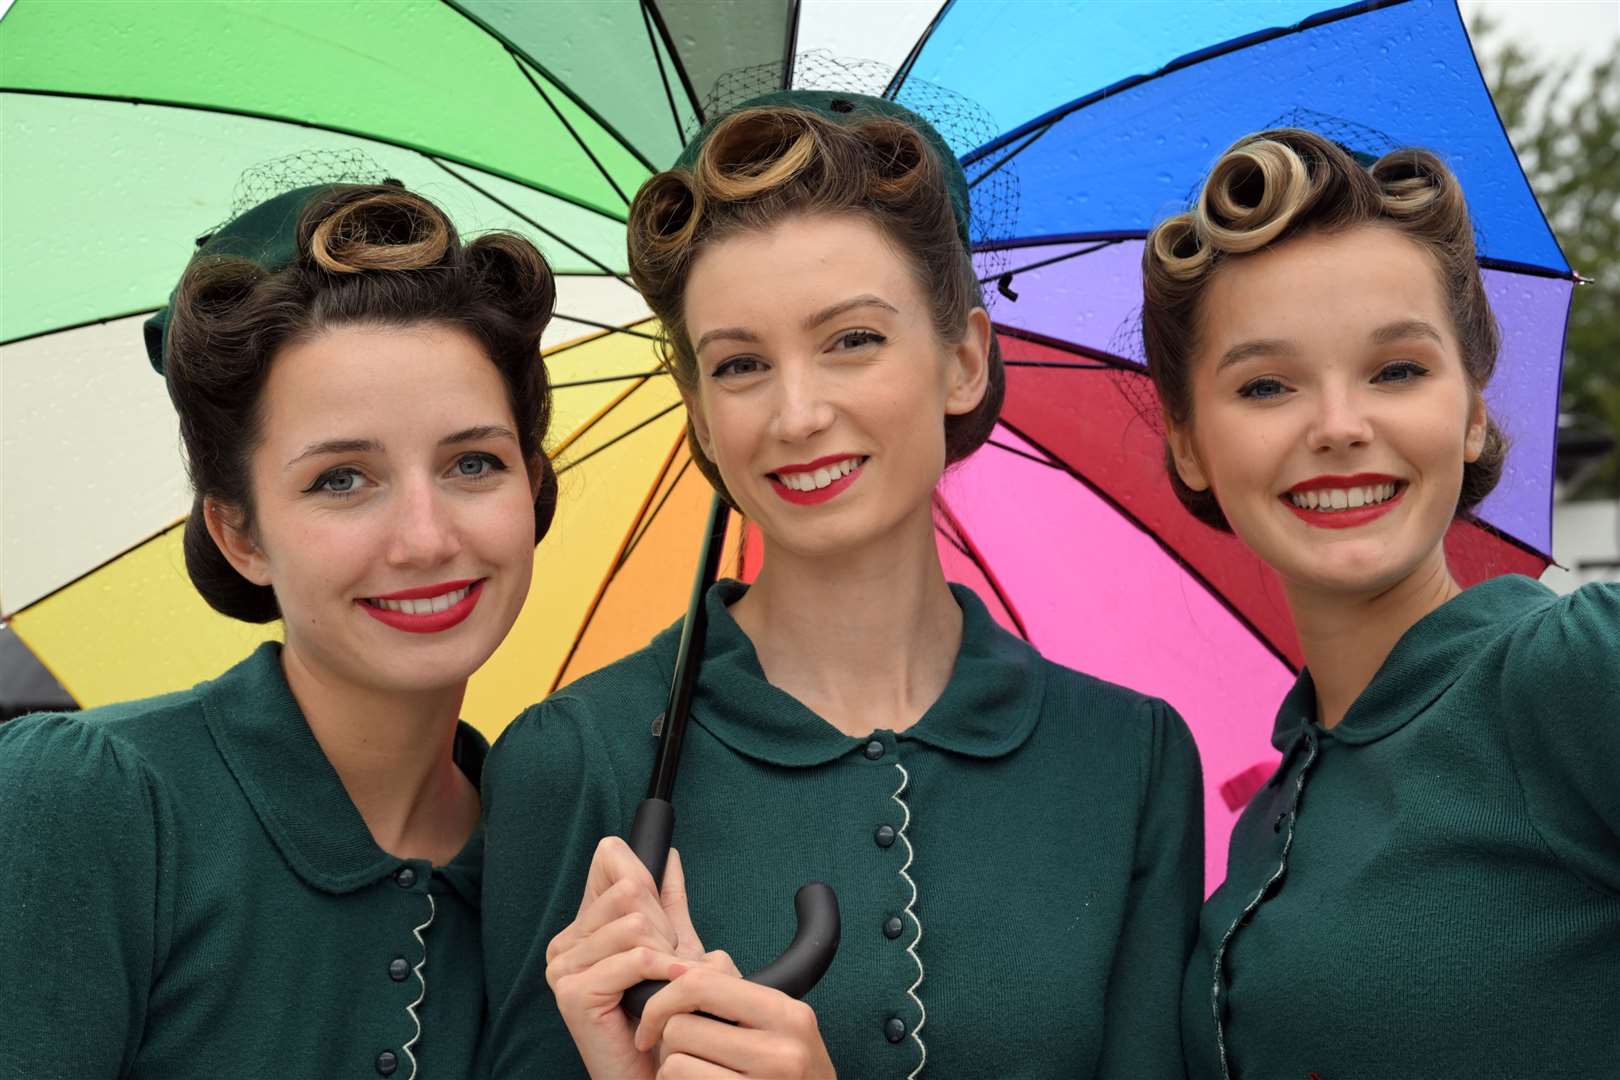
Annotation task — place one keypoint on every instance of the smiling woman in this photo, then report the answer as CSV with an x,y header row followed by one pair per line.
x,y
362,408
856,719
1435,865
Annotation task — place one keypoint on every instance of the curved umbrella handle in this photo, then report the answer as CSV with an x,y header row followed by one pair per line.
x,y
802,963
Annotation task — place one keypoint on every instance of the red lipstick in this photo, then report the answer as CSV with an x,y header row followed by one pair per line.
x,y
1348,518
818,495
430,622
1365,479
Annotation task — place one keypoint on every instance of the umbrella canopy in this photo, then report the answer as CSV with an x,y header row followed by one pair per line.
x,y
128,124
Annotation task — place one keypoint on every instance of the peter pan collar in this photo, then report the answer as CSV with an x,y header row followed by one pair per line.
x,y
1427,660
988,708
266,743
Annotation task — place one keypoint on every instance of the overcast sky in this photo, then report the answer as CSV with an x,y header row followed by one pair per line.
x,y
1554,27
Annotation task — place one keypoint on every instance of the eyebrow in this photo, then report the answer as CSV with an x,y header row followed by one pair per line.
x,y
372,446
832,311
336,446
1406,328
1248,350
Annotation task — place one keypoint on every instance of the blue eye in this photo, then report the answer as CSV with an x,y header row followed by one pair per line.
x,y
1401,371
1262,389
479,466
342,482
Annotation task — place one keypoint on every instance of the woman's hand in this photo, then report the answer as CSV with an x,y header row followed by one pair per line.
x,y
771,1035
625,931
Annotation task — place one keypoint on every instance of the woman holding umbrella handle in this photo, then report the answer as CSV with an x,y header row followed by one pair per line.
x,y
856,719
1433,873
275,873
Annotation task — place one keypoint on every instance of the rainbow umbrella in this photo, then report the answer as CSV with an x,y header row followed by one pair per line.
x,y
128,124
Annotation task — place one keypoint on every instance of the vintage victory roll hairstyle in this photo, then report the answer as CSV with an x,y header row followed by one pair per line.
x,y
775,159
341,255
1276,185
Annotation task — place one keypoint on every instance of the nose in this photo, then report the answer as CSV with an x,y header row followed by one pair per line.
x,y
803,409
1341,421
424,529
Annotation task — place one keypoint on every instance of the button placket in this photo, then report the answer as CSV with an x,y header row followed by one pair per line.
x,y
1290,817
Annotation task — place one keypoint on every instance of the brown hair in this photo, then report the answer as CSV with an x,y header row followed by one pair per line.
x,y
1283,183
759,166
366,255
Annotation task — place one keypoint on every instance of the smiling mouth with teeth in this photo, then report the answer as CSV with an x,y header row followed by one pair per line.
x,y
426,605
816,479
1331,499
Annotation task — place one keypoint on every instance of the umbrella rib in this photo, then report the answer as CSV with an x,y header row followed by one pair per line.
x,y
1041,124
78,95
575,343
972,552
1060,366
1103,359
607,379
1036,458
607,580
1001,161
520,215
20,338
610,327
904,73
791,44
93,570
660,414
1049,239
1187,567
512,47
651,8
646,522
614,184
601,414
1065,257
663,76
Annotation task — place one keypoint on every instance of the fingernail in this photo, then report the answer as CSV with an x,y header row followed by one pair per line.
x,y
677,970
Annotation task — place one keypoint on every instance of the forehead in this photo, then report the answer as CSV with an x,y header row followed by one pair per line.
x,y
1323,285
799,265
369,381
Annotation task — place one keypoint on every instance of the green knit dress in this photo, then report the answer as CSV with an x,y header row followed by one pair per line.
x,y
1432,887
1019,872
187,891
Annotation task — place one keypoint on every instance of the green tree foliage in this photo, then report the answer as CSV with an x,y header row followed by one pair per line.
x,y
1564,120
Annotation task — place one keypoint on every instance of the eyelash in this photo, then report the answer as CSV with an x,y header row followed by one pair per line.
x,y
869,337
1411,370
1251,389
320,486
321,482
865,337
728,367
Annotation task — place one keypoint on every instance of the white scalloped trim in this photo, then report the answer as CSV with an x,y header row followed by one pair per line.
x,y
905,778
411,1008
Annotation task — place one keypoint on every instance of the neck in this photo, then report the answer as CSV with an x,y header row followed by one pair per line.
x,y
866,639
1347,637
393,752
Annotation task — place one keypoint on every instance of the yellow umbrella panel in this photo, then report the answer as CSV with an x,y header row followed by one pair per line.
x,y
615,568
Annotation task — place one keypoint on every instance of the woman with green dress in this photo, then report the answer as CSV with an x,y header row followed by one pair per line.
x,y
1016,847
1429,885
276,872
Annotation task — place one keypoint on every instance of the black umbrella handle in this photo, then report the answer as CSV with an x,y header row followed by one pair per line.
x,y
802,963
805,960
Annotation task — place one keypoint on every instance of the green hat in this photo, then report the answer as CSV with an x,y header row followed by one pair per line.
x,y
842,107
267,234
